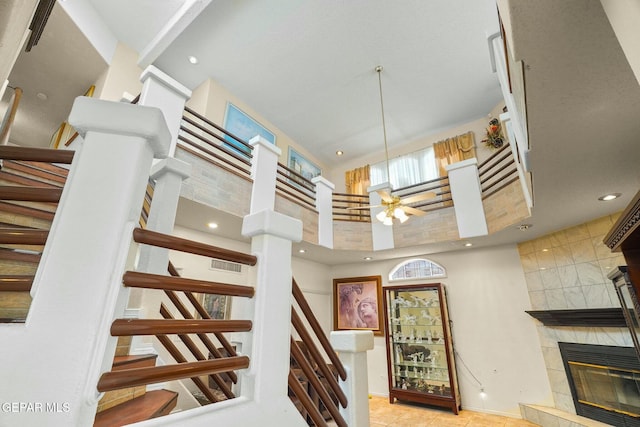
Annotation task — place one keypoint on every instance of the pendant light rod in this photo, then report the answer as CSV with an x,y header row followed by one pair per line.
x,y
384,127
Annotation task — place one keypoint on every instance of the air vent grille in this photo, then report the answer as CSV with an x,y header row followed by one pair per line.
x,y
218,264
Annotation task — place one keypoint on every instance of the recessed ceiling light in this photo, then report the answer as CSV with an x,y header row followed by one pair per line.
x,y
608,197
302,251
545,250
468,244
368,258
524,227
339,153
212,225
42,96
193,60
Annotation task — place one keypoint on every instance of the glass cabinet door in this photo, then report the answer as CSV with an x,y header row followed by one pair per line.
x,y
417,338
420,361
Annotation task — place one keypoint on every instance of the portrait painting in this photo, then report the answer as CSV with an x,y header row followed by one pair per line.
x,y
357,304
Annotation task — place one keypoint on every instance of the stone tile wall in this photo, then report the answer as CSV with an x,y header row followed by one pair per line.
x,y
568,270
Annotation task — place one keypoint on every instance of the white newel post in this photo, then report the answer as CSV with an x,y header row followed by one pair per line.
x,y
266,380
65,344
324,206
466,193
162,91
382,235
352,347
168,175
264,168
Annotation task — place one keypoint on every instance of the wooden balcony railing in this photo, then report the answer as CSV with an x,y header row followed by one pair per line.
x,y
439,186
295,187
342,204
205,139
498,171
312,381
219,364
31,184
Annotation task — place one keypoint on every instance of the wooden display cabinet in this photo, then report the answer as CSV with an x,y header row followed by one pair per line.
x,y
420,358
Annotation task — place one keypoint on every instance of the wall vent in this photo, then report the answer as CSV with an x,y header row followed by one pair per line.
x,y
218,264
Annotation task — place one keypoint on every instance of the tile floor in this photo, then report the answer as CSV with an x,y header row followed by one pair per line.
x,y
383,414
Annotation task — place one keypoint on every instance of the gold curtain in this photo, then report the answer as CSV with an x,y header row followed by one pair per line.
x,y
357,180
452,150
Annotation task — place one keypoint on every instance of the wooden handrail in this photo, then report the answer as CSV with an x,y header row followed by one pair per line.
x,y
224,164
195,351
317,329
127,327
316,384
175,353
317,357
178,357
9,152
7,121
203,313
504,185
503,177
241,158
13,255
176,243
15,283
493,156
30,194
305,400
204,337
306,183
27,211
221,129
408,187
154,374
495,172
156,281
21,236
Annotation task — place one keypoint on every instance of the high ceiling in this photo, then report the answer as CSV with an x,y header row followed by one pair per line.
x,y
308,68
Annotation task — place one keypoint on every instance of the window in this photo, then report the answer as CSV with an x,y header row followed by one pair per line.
x,y
412,168
416,269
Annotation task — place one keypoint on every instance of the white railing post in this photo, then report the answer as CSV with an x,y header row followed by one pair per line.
x,y
168,175
466,193
264,168
352,347
161,91
324,206
272,234
382,235
65,344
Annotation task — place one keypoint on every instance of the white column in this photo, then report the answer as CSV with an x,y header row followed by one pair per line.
x,y
272,234
168,175
382,235
160,90
264,167
352,347
324,206
466,193
65,342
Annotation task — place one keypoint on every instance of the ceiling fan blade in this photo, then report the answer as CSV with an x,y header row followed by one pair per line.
x,y
385,196
418,198
363,207
413,211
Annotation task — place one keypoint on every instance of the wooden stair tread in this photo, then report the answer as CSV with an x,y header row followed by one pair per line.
x,y
152,405
133,361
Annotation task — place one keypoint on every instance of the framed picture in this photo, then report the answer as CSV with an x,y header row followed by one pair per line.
x,y
244,127
357,304
218,306
301,165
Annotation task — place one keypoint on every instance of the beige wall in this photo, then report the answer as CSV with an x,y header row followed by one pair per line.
x,y
568,270
123,75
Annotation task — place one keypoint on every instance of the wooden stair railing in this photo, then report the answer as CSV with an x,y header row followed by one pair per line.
x,y
320,378
499,171
205,329
31,184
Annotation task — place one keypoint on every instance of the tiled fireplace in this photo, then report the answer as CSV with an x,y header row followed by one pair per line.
x,y
604,382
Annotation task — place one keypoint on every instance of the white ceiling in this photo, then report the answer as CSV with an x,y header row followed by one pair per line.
x,y
308,68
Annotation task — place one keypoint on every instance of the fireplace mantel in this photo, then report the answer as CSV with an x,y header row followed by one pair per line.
x,y
588,317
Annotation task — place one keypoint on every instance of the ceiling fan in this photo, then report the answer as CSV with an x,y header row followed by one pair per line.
x,y
394,206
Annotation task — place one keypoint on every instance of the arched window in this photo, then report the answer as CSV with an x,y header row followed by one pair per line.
x,y
416,268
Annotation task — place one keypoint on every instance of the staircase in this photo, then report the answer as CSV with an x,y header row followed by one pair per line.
x,y
30,187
